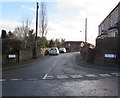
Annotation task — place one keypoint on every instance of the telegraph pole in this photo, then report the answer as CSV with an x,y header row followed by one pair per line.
x,y
36,30
86,30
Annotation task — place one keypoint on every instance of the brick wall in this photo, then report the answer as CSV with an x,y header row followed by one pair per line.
x,y
87,52
106,46
72,45
25,55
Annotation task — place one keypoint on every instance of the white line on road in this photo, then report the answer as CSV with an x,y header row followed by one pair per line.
x,y
1,80
62,76
114,73
49,77
15,79
118,75
76,76
104,75
45,76
49,70
32,79
91,75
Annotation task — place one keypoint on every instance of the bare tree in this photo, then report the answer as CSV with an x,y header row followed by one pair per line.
x,y
43,20
21,32
62,42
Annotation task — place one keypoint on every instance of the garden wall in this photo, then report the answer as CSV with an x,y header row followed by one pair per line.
x,y
106,51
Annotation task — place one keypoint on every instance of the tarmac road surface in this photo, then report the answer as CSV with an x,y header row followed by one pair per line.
x,y
59,75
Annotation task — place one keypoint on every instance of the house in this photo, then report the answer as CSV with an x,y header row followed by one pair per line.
x,y
110,24
72,45
107,42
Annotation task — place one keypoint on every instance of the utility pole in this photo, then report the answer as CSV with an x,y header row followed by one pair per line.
x,y
86,30
36,30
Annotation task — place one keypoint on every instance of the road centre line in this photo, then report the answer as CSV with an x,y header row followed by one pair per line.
x,y
49,70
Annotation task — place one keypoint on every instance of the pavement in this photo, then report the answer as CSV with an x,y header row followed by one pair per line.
x,y
18,65
79,61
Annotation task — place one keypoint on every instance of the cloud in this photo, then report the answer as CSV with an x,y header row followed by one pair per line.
x,y
8,25
62,28
70,18
24,6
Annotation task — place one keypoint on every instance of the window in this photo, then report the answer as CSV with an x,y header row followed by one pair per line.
x,y
113,33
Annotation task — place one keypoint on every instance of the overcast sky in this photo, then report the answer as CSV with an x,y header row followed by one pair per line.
x,y
66,18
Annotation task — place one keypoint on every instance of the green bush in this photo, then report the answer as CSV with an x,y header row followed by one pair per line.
x,y
43,46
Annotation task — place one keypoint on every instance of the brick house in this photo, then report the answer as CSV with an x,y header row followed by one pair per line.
x,y
72,45
107,42
109,24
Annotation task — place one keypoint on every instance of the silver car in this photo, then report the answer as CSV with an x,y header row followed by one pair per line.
x,y
54,51
62,50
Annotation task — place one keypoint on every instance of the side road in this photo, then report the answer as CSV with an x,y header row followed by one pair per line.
x,y
79,62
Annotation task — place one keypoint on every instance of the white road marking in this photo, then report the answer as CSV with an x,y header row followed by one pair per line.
x,y
105,75
91,75
49,77
15,79
2,80
45,76
114,73
49,70
76,76
62,77
32,79
118,75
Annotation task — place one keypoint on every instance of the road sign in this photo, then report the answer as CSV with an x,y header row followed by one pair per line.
x,y
11,56
110,56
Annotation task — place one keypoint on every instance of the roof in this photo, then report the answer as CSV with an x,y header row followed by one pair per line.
x,y
110,13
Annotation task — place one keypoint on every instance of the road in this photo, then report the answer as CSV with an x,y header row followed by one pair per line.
x,y
59,76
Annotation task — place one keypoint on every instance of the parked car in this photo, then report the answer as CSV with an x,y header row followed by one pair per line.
x,y
62,50
54,51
